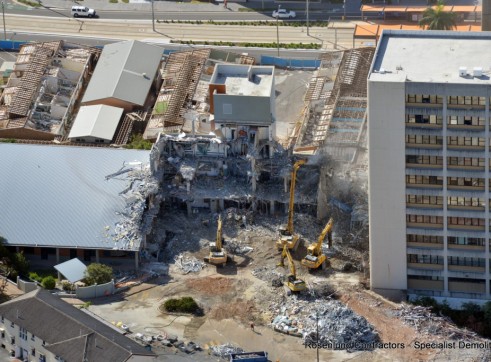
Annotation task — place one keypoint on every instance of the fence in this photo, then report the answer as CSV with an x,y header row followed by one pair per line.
x,y
95,291
290,63
26,287
11,44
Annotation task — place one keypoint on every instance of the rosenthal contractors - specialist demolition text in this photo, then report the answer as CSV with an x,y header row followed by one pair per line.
x,y
452,345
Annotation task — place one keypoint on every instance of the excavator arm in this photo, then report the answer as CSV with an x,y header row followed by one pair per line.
x,y
219,234
296,166
327,229
286,254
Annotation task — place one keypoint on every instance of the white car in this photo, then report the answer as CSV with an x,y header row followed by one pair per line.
x,y
284,14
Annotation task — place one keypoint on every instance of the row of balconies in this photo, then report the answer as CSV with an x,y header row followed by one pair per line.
x,y
449,246
452,286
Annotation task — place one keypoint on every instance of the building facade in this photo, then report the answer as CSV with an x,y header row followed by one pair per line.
x,y
428,141
41,327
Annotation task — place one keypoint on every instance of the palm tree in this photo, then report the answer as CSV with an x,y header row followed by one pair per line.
x,y
435,18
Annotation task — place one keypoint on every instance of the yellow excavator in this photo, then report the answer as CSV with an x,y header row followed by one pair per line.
x,y
315,258
287,236
294,284
218,256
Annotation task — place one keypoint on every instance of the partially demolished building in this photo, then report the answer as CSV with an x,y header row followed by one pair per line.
x,y
42,91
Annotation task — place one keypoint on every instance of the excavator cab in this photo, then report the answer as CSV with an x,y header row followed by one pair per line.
x,y
218,255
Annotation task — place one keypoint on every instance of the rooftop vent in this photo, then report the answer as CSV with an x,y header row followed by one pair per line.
x,y
382,71
462,71
477,72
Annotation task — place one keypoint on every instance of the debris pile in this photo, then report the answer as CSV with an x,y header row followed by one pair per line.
x,y
189,264
267,274
235,246
338,325
224,350
127,233
425,322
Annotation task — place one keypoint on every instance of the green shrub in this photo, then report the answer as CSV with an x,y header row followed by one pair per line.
x,y
48,282
113,1
98,274
126,1
138,143
67,286
8,140
182,305
35,276
30,3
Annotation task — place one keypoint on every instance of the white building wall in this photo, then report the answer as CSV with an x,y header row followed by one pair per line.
x,y
23,344
386,177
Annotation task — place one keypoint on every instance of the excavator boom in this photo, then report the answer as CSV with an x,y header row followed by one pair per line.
x,y
327,229
219,234
296,166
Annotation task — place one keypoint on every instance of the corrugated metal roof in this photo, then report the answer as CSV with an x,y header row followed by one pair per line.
x,y
98,121
73,270
58,195
124,71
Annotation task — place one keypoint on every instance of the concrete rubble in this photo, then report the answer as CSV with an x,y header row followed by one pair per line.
x,y
425,322
267,274
224,350
189,264
128,232
339,326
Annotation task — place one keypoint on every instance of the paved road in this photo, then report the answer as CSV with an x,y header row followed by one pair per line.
x,y
169,10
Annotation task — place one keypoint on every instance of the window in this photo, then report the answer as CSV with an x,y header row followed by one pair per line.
x,y
461,240
466,261
23,333
33,351
42,358
12,340
425,219
425,259
466,221
12,325
2,319
430,239
32,337
423,200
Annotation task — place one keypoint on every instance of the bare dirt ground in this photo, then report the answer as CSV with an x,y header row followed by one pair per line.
x,y
240,293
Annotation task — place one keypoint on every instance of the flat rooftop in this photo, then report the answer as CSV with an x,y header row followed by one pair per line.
x,y
244,79
432,56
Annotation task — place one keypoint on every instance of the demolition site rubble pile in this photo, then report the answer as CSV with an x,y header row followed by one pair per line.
x,y
135,219
338,326
189,264
425,322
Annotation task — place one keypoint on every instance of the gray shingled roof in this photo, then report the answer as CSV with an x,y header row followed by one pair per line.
x,y
59,196
120,72
69,332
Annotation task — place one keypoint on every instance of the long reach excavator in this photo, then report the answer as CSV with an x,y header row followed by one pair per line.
x,y
315,258
287,236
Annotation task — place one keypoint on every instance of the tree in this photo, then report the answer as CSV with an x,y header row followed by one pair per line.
x,y
98,274
436,18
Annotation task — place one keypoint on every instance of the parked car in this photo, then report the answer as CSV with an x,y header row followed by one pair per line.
x,y
82,11
284,14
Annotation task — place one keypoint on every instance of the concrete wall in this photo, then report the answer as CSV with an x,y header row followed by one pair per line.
x,y
25,286
386,178
95,291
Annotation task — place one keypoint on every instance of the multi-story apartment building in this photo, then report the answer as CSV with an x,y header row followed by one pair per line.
x,y
429,160
40,327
